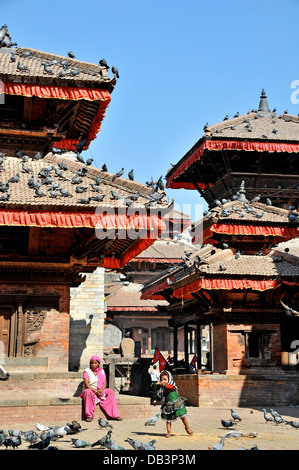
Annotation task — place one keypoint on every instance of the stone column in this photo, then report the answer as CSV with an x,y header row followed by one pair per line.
x,y
87,317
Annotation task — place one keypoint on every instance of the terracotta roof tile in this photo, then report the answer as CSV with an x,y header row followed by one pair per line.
x,y
21,195
270,127
88,72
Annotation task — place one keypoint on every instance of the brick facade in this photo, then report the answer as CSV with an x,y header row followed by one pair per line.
x,y
87,320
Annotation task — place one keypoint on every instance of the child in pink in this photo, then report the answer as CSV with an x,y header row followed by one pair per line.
x,y
96,391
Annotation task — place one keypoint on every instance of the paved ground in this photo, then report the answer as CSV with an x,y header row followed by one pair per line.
x,y
206,426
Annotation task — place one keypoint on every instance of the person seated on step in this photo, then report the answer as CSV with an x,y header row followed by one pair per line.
x,y
96,392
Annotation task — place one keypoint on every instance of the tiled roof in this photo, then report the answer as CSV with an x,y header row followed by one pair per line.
x,y
129,296
76,71
255,126
253,212
211,262
163,250
24,196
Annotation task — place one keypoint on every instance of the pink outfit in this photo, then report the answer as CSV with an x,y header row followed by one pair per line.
x,y
107,401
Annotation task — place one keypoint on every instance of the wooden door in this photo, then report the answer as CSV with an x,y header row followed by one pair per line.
x,y
5,316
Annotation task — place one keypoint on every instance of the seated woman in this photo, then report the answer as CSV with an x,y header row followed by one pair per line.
x,y
96,391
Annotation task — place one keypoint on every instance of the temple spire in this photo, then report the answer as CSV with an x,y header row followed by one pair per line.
x,y
263,106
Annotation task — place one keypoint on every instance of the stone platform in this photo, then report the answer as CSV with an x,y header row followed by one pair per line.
x,y
43,396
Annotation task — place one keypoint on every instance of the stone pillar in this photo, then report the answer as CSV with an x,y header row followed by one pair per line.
x,y
87,317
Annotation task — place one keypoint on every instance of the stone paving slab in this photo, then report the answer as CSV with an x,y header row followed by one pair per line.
x,y
206,426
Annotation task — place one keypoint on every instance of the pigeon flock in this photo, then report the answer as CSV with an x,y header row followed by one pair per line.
x,y
58,180
45,437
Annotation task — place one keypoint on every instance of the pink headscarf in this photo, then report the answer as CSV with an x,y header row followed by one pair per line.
x,y
96,358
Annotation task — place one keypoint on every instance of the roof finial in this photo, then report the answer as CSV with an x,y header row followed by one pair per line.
x,y
263,106
242,192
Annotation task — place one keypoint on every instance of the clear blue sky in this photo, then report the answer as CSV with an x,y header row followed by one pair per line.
x,y
181,64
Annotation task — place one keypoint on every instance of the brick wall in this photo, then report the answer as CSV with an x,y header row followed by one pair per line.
x,y
239,390
87,320
229,348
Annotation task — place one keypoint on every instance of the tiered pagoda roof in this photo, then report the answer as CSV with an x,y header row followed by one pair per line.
x,y
259,147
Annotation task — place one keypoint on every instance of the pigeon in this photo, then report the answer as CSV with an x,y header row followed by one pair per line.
x,y
81,189
278,419
138,445
104,167
269,202
71,55
15,178
62,166
76,180
118,174
103,63
37,156
135,196
85,200
294,424
80,159
152,421
13,57
235,416
222,268
267,416
274,413
31,436
101,442
89,161
103,423
219,446
80,443
60,430
98,198
5,197
42,444
114,195
26,169
131,175
227,423
12,442
65,193
22,67
95,187
115,72
14,433
41,427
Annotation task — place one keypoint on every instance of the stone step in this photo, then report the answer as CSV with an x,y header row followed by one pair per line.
x,y
32,409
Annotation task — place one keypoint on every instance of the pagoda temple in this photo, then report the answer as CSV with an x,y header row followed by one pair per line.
x,y
242,276
61,218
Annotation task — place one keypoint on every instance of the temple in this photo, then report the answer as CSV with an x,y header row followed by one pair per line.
x,y
241,278
62,220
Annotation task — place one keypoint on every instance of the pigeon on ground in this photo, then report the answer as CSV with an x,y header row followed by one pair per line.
x,y
138,445
73,428
227,423
103,423
267,416
235,416
152,421
14,433
278,419
42,444
219,446
80,443
294,424
31,436
274,413
41,427
12,442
